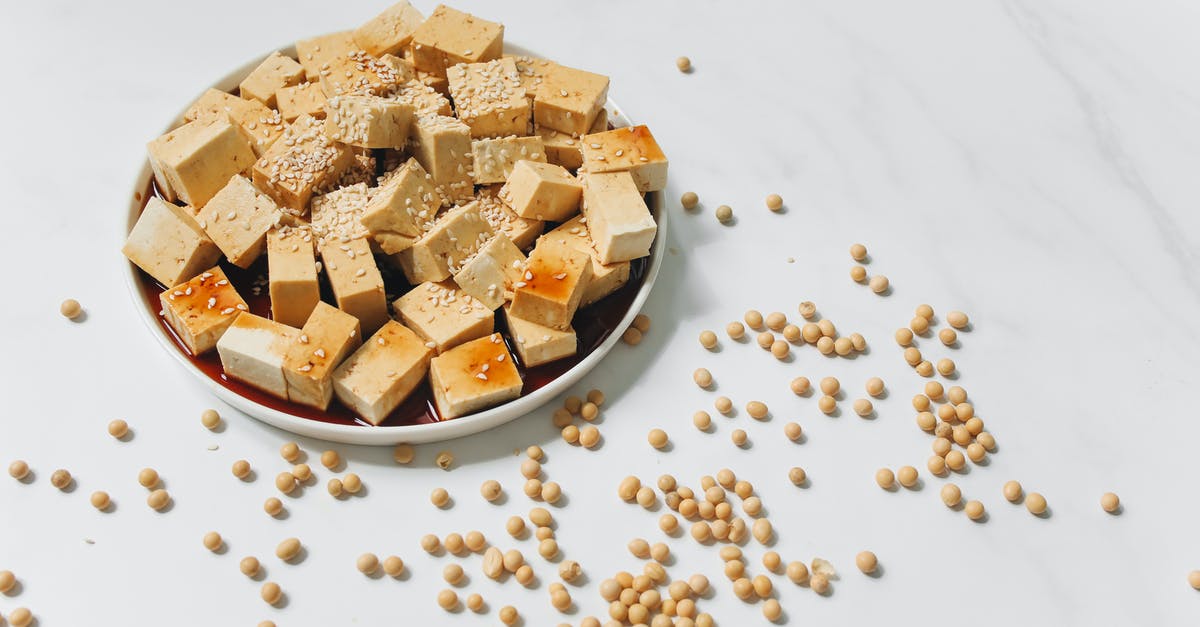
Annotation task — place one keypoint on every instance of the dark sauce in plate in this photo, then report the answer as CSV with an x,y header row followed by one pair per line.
x,y
593,324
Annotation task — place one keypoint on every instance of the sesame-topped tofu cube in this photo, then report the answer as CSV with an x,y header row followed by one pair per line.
x,y
561,148
194,161
253,349
298,100
552,286
543,191
201,309
536,344
383,372
442,145
568,100
631,149
328,337
618,220
489,98
449,37
367,121
358,73
260,124
530,71
522,231
303,161
444,315
168,244
238,219
454,237
437,83
474,376
606,277
490,274
292,275
356,282
336,217
390,31
274,73
494,158
316,53
402,208
425,100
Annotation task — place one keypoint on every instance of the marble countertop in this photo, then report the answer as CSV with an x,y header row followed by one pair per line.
x,y
1030,163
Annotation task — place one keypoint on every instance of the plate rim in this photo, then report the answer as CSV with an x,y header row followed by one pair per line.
x,y
395,434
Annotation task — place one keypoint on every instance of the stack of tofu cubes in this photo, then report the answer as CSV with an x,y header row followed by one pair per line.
x,y
503,191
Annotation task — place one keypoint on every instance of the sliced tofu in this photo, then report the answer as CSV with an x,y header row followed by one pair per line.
x,y
389,32
292,275
383,372
168,244
618,220
337,216
494,158
530,71
328,337
553,284
300,163
402,208
260,124
442,145
201,309
606,277
561,148
303,99
490,274
449,37
444,315
193,162
357,73
368,121
522,231
489,98
568,100
536,344
474,376
238,219
542,191
631,149
356,282
317,53
274,73
425,100
252,351
454,237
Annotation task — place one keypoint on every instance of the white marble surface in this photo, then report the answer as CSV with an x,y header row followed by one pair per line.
x,y
1031,163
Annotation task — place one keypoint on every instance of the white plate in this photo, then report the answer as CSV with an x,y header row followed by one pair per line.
x,y
431,432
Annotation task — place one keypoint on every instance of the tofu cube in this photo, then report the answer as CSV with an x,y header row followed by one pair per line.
x,y
201,309
168,244
442,145
328,337
440,84
474,376
489,98
238,219
453,238
390,31
449,37
490,274
402,208
356,282
253,350
194,161
568,100
260,124
304,160
336,217
425,100
298,100
368,121
542,191
606,277
536,344
618,220
522,231
318,53
561,148
357,73
530,71
444,315
274,73
292,275
553,284
494,158
631,149
383,372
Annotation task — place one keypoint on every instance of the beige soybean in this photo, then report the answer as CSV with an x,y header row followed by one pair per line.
x,y
1035,503
724,213
702,377
708,339
957,319
689,200
735,330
